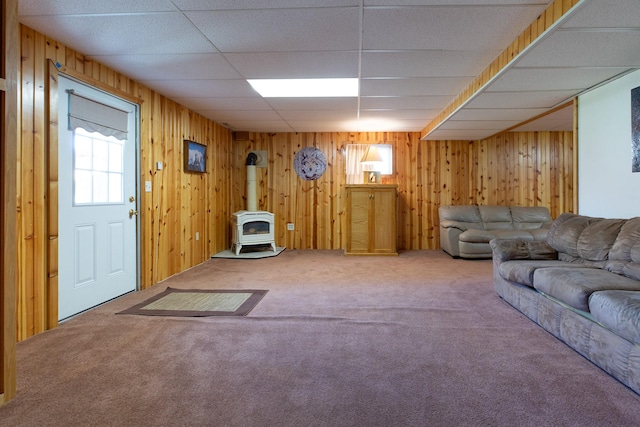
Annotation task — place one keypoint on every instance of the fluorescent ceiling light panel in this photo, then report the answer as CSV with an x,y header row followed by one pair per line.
x,y
305,88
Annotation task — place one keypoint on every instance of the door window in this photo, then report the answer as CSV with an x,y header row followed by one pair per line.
x,y
98,173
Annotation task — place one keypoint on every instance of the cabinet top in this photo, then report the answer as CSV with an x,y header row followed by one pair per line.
x,y
371,186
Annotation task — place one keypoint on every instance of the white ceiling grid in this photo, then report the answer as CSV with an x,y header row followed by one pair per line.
x,y
412,57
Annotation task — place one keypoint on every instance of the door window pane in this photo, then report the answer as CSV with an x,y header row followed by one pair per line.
x,y
98,169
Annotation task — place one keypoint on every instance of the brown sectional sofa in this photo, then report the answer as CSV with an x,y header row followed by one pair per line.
x,y
582,285
466,230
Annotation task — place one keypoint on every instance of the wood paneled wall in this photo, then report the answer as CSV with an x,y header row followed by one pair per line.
x,y
180,204
526,168
512,168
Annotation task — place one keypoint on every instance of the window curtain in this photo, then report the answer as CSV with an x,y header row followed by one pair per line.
x,y
355,173
94,116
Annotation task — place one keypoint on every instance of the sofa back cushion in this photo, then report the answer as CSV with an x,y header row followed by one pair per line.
x,y
496,217
624,256
582,238
528,218
463,217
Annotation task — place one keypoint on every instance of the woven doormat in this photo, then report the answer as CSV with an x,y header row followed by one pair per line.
x,y
199,303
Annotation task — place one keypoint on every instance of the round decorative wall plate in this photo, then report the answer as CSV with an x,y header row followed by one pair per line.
x,y
309,163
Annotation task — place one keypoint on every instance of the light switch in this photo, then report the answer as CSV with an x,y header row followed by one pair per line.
x,y
147,186
159,166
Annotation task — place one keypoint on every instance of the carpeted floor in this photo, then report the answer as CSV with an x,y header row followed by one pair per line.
x,y
415,340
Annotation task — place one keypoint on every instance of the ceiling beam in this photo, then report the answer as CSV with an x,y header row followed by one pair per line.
x,y
552,14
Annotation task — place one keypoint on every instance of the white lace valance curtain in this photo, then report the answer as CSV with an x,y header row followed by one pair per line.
x,y
94,116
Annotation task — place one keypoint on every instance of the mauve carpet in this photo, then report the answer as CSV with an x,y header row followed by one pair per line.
x,y
415,340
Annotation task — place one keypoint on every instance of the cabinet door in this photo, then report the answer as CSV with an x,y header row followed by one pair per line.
x,y
384,221
358,239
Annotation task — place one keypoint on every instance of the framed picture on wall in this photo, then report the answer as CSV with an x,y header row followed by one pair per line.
x,y
195,157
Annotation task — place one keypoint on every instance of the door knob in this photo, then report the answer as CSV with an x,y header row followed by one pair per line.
x,y
132,199
132,213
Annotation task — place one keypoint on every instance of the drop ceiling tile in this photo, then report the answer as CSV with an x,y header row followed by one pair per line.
x,y
280,30
123,34
188,66
453,2
460,135
389,125
518,114
404,102
219,103
530,79
605,14
285,65
235,115
540,99
312,104
414,86
79,7
259,4
319,115
426,63
478,124
586,49
424,115
202,88
446,28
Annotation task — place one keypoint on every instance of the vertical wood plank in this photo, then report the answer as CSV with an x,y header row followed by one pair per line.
x,y
9,154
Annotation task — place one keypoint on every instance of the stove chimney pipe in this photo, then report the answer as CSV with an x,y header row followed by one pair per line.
x,y
251,161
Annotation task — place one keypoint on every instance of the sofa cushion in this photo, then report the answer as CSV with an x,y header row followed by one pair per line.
x,y
539,233
627,241
522,271
624,256
485,236
564,233
506,250
526,218
496,217
581,237
459,213
618,311
574,286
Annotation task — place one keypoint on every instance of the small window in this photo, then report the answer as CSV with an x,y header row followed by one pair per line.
x,y
355,154
98,169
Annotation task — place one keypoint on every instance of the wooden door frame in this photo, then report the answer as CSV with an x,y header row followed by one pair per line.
x,y
9,60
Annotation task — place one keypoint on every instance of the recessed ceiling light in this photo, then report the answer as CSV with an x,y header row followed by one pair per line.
x,y
305,88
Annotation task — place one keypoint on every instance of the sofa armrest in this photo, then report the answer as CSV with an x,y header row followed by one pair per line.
x,y
448,223
449,240
505,250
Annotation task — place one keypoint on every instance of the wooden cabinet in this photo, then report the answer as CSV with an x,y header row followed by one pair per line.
x,y
371,219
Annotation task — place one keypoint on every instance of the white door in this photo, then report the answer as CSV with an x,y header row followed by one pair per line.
x,y
97,252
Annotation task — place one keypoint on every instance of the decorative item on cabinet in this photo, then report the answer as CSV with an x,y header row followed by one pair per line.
x,y
371,163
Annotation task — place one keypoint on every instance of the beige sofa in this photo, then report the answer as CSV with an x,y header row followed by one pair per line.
x,y
466,230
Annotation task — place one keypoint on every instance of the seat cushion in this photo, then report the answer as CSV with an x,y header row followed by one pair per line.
x,y
530,217
619,311
521,271
574,286
485,236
